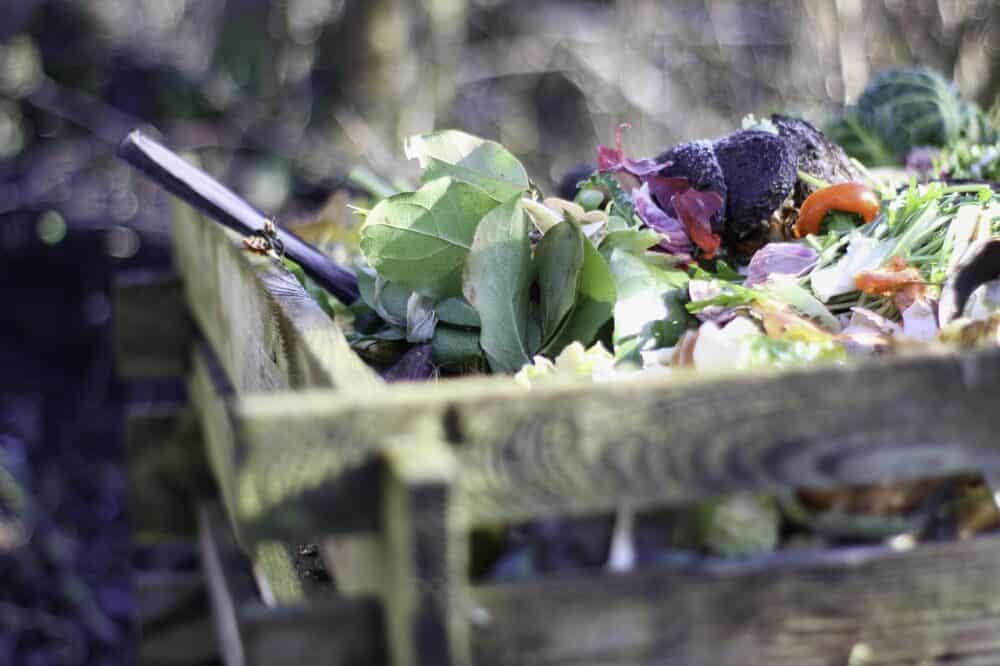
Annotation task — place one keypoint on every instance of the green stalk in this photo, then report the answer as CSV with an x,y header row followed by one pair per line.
x,y
812,180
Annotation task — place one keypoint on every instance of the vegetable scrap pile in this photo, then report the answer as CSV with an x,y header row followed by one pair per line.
x,y
766,247
769,247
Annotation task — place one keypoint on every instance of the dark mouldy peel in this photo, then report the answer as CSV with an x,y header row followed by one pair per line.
x,y
760,172
981,264
696,161
816,155
569,185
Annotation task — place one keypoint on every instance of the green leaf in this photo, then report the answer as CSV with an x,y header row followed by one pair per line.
x,y
595,302
458,312
469,159
622,201
420,239
732,296
641,290
559,258
497,283
455,348
633,241
385,298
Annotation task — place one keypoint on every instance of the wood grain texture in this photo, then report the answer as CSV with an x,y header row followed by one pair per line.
x,y
935,604
211,394
268,332
580,448
167,471
330,631
424,558
152,326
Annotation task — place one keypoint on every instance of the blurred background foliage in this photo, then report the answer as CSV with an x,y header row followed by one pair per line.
x,y
298,91
281,99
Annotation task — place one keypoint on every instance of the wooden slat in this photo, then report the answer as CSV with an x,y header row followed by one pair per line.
x,y
167,472
152,325
266,330
211,395
582,448
332,631
932,605
353,505
268,333
425,557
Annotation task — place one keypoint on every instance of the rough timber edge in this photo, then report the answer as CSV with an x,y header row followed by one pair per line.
x,y
267,331
582,447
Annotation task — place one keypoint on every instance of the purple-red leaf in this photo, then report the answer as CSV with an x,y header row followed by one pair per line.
x,y
665,188
676,240
696,210
415,365
613,159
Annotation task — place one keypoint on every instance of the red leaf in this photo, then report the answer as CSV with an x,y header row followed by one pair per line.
x,y
613,159
696,210
665,188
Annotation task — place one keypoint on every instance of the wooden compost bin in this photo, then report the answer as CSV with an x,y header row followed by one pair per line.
x,y
307,445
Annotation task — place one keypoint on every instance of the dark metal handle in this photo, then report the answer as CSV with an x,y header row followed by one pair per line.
x,y
197,188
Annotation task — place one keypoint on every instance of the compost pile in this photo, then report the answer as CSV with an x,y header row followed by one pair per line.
x,y
770,247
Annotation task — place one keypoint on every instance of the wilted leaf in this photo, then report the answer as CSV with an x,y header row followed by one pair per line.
x,y
420,239
470,159
421,319
497,283
415,365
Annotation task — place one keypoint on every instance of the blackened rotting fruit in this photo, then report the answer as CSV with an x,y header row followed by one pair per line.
x,y
569,185
760,173
817,155
695,160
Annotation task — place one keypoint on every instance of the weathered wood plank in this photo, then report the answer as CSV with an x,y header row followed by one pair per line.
x,y
268,333
353,504
211,394
328,631
266,330
167,471
277,579
210,391
935,604
425,558
581,448
152,326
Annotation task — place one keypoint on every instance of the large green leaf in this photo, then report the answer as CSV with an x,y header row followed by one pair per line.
x,y
497,283
419,240
470,159
559,258
643,295
595,302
